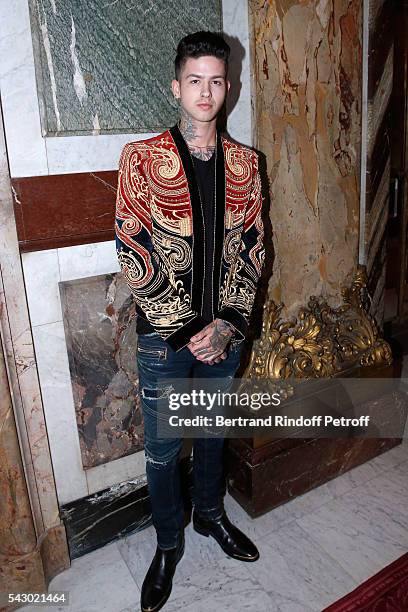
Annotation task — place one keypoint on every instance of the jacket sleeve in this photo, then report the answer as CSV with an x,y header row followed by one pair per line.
x,y
162,300
246,270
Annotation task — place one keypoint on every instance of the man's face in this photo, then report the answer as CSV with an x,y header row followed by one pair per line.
x,y
202,87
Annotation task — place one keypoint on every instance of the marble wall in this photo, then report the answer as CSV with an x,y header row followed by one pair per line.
x,y
28,559
17,532
105,66
43,272
33,542
31,153
307,87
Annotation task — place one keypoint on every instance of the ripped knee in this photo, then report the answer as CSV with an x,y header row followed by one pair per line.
x,y
156,393
153,461
162,462
163,453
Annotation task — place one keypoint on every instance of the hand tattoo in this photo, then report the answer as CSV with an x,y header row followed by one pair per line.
x,y
218,339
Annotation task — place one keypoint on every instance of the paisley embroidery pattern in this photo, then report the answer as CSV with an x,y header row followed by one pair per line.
x,y
174,251
231,244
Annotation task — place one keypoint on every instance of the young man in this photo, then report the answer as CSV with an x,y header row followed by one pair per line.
x,y
189,239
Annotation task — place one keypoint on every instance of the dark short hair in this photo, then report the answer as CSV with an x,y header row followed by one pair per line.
x,y
200,44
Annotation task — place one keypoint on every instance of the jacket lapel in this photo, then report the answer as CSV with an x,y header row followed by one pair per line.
x,y
220,201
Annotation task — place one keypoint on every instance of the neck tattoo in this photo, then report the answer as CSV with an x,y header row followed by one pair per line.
x,y
189,131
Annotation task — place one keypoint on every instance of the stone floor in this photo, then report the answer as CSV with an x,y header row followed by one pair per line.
x,y
313,550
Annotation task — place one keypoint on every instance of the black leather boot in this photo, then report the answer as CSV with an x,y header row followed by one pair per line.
x,y
232,541
158,581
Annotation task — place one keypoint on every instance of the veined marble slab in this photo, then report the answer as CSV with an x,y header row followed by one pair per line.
x,y
99,322
105,66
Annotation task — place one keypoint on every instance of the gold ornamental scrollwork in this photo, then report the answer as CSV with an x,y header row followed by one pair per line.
x,y
323,341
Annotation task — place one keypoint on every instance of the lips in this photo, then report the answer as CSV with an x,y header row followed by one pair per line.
x,y
204,106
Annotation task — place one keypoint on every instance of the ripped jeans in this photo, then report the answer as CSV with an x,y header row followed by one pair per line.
x,y
156,360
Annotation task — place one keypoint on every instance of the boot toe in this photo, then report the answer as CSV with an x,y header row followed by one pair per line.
x,y
248,552
232,541
153,599
241,547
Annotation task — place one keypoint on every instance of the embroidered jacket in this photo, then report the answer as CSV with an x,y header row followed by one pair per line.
x,y
161,235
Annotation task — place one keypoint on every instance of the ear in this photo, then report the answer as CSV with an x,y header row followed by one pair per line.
x,y
175,87
228,84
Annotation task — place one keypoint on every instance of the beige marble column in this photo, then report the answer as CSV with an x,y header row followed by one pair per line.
x,y
18,567
33,545
306,86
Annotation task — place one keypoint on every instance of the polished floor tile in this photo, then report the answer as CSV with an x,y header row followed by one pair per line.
x,y
314,550
97,582
220,586
367,528
293,566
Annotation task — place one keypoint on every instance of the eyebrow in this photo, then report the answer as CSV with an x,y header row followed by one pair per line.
x,y
200,76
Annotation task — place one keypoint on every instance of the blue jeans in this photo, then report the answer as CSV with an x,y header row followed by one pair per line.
x,y
156,361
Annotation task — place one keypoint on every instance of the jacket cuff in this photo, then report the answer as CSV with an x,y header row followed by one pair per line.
x,y
233,316
181,337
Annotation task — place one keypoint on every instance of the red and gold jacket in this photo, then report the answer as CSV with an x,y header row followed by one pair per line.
x,y
161,235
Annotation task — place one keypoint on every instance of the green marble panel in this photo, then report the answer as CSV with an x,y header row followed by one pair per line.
x,y
106,65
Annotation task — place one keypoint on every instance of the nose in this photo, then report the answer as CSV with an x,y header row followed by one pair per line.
x,y
205,90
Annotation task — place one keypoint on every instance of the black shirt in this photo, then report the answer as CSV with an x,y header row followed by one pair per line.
x,y
205,175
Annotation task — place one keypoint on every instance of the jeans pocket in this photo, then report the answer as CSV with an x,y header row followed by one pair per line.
x,y
149,351
151,347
